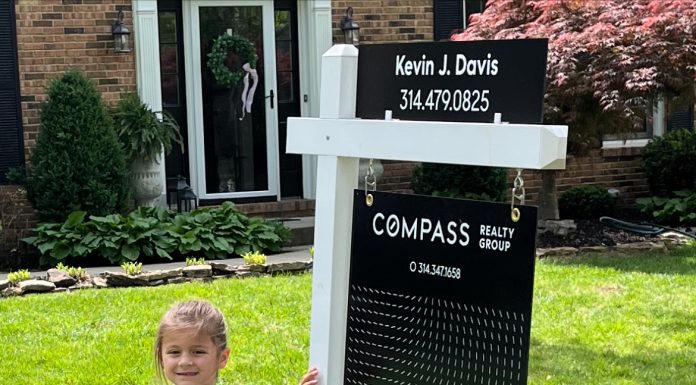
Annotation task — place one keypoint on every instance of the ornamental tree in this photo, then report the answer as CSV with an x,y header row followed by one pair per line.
x,y
608,60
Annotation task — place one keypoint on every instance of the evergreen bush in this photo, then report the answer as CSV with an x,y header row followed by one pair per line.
x,y
669,162
77,163
455,181
586,202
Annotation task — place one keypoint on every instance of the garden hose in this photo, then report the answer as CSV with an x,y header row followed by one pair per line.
x,y
645,229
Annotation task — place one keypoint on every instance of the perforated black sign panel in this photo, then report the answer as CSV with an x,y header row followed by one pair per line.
x,y
440,292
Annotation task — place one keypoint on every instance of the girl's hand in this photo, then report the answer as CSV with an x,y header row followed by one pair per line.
x,y
310,378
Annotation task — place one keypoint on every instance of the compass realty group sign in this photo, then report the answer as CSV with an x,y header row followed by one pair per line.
x,y
440,292
453,81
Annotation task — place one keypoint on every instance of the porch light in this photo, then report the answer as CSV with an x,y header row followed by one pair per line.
x,y
121,35
351,29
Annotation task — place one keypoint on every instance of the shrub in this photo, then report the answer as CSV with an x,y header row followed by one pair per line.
x,y
77,163
680,209
669,162
254,258
586,202
18,276
455,181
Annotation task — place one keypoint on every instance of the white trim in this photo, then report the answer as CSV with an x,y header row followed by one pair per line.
x,y
625,143
658,129
195,98
147,65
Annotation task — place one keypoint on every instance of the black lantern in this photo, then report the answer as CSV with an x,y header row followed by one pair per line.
x,y
186,200
121,35
351,29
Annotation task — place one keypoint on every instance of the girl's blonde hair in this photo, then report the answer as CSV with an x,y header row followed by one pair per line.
x,y
200,316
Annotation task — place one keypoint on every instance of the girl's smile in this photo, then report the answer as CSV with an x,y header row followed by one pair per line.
x,y
191,358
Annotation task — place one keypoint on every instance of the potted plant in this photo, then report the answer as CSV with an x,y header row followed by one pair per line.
x,y
145,135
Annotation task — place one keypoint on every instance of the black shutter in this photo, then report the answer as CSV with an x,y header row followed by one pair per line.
x,y
11,145
681,118
447,17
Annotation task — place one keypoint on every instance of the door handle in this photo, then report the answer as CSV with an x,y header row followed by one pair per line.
x,y
272,96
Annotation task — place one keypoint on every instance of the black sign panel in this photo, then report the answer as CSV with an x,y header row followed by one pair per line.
x,y
440,292
453,81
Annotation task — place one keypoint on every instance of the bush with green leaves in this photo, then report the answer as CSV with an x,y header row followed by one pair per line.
x,y
455,181
18,276
210,233
586,202
77,163
680,209
669,162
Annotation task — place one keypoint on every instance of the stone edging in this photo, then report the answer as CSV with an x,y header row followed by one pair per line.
x,y
660,245
59,281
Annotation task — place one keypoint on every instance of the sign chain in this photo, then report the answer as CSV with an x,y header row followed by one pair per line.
x,y
370,183
517,193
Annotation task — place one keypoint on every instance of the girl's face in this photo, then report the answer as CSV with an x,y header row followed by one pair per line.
x,y
190,358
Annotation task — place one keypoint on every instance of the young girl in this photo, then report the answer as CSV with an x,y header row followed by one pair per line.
x,y
191,345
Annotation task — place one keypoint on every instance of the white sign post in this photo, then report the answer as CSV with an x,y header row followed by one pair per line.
x,y
340,140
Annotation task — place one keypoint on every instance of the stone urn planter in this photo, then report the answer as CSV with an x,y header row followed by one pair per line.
x,y
146,179
145,136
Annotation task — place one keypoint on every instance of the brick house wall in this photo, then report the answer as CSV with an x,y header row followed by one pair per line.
x,y
52,37
395,21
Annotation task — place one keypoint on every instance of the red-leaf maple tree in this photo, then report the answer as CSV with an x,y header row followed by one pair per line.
x,y
608,61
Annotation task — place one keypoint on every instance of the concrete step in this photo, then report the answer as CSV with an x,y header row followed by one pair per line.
x,y
302,229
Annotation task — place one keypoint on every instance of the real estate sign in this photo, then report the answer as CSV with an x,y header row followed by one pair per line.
x,y
440,291
453,81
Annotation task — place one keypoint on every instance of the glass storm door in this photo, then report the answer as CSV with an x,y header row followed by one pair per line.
x,y
236,149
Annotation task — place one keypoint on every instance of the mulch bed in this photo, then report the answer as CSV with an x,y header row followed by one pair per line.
x,y
591,233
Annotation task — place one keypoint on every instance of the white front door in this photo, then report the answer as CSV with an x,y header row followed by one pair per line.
x,y
233,148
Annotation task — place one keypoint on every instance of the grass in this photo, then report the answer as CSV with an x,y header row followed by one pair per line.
x,y
597,320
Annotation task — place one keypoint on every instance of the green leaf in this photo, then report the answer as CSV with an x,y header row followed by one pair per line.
x,y
130,252
75,218
60,251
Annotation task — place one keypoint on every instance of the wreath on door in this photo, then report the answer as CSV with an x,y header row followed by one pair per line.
x,y
222,46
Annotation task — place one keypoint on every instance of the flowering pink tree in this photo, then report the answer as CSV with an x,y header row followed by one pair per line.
x,y
607,59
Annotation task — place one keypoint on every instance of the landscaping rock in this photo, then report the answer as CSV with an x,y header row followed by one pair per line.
x,y
118,279
11,291
594,249
642,246
4,283
286,267
36,286
557,227
177,280
198,271
162,274
157,282
99,282
557,252
252,268
60,278
81,285
223,268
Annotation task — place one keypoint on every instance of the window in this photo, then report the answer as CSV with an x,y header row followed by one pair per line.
x,y
451,16
11,143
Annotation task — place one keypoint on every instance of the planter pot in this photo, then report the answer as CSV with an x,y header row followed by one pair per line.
x,y
147,182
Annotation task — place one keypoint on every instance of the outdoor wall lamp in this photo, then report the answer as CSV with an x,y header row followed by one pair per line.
x,y
121,35
351,29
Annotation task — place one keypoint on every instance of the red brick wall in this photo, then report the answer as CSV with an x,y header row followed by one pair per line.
x,y
52,37
56,35
386,21
618,168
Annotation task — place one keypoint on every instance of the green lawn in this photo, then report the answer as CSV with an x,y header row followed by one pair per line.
x,y
597,320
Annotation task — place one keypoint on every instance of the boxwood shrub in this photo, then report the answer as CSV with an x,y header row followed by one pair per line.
x,y
455,181
586,202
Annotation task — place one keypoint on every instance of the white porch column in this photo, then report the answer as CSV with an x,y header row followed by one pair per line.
x,y
147,63
318,39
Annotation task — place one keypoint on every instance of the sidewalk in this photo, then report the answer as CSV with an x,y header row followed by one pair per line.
x,y
289,254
